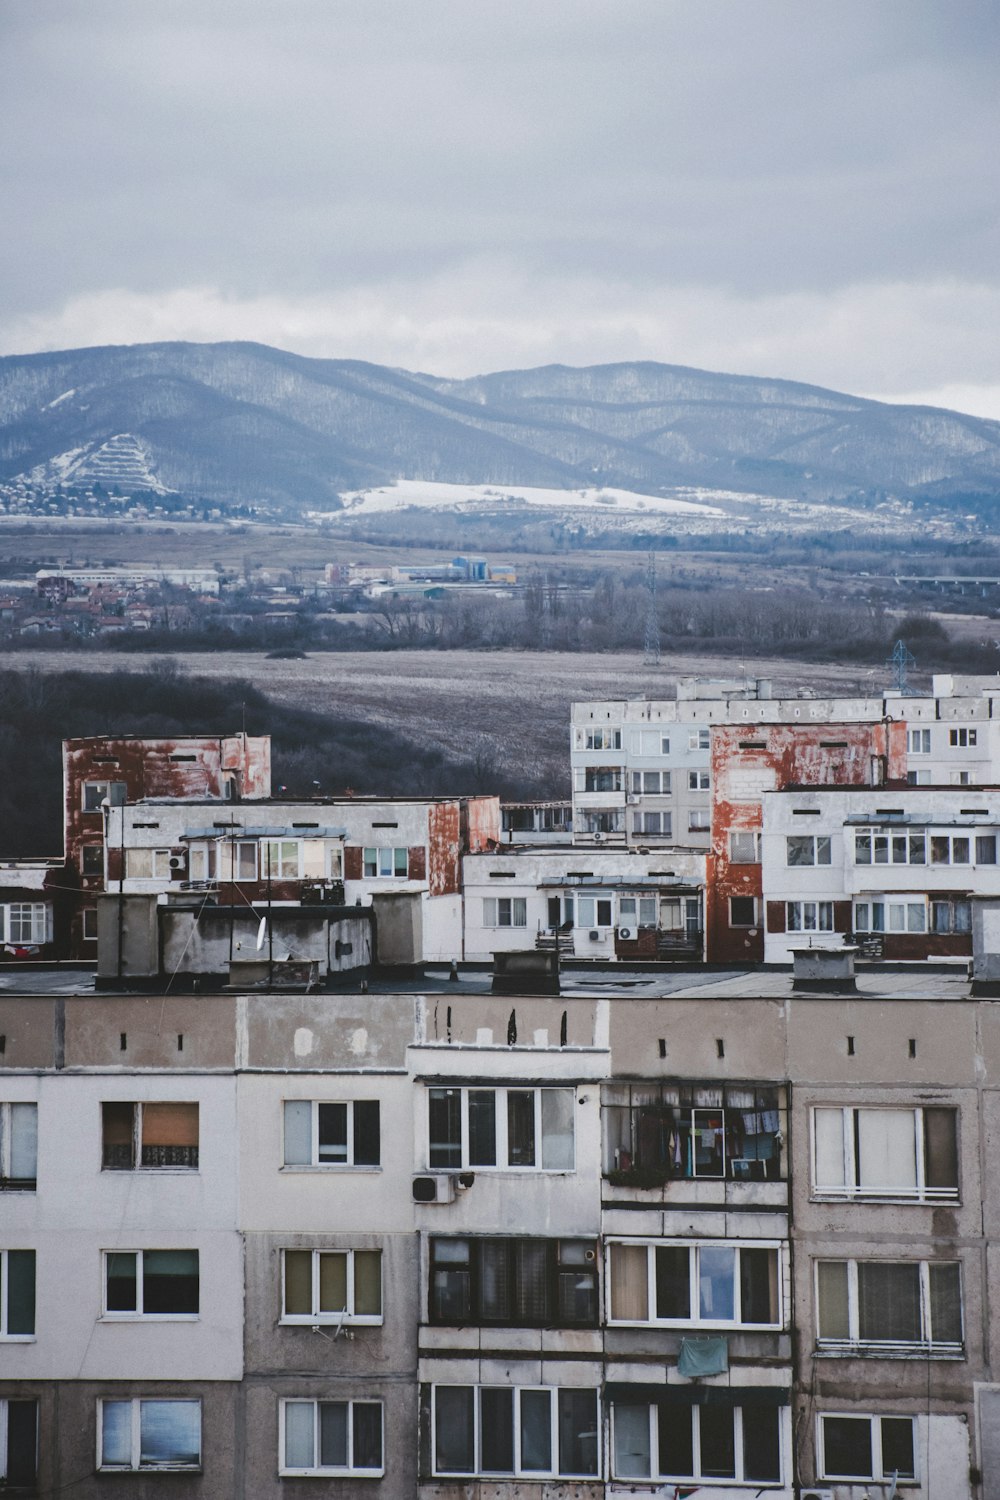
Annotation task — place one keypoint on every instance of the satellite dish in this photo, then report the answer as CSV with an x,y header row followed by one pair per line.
x,y
261,933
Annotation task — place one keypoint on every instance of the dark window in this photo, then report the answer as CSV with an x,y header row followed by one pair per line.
x,y
454,1429
92,859
674,1132
445,1108
149,1135
19,1440
517,1282
155,1283
742,911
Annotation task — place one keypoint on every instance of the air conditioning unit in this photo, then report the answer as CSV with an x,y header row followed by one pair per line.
x,y
632,800
626,933
594,935
178,862
812,1493
598,837
434,1189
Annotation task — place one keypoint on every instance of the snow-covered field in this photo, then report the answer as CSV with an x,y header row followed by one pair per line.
x,y
423,494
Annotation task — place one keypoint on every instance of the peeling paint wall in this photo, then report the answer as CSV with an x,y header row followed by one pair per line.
x,y
749,761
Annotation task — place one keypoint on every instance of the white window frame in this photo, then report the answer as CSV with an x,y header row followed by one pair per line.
x,y
597,899
603,737
699,781
643,904
694,1247
384,854
159,863
89,924
316,1468
518,1472
648,743
901,844
820,851
5,1336
684,1480
699,820
879,1476
642,824
503,1163
94,793
136,1314
277,845
316,1164
918,742
962,738
864,916
344,1318
701,739
138,1108
811,916
850,1189
7,1117
854,1342
203,860
516,908
38,915
136,1403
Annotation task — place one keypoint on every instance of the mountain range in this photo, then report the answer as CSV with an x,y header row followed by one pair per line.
x,y
239,423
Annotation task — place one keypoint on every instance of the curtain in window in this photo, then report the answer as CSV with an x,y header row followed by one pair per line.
x,y
531,1266
886,1148
23,1142
833,1309
629,1283
828,1125
118,1135
889,1301
494,1279
298,1133
116,1433
169,1432
299,1440
298,1282
632,1449
368,1282
332,1283
170,1135
557,1129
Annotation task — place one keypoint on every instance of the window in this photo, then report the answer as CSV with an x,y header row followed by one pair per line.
x,y
505,911
17,1294
18,1147
95,793
951,916
961,778
514,1282
890,916
700,740
594,911
90,924
18,1444
885,1153
381,864
149,1136
872,848
280,859
603,820
653,1133
147,864
331,1286
26,923
705,1285
854,1447
652,823
599,739
809,916
882,1303
516,1128
140,1434
92,859
203,861
653,783
692,1443
151,1283
698,781
807,849
742,911
637,911
963,739
918,778
918,741
318,1134
238,860
603,779
743,848
649,742
699,820
520,1430
331,1437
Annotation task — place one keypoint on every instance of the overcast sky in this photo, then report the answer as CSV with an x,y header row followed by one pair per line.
x,y
776,187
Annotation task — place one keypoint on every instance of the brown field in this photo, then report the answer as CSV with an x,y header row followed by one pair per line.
x,y
511,708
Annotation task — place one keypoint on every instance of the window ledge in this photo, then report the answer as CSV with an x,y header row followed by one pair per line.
x,y
293,1168
18,1338
150,1469
132,1317
889,1351
332,1473
926,1200
329,1320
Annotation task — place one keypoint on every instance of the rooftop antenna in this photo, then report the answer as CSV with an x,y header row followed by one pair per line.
x,y
901,661
651,643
